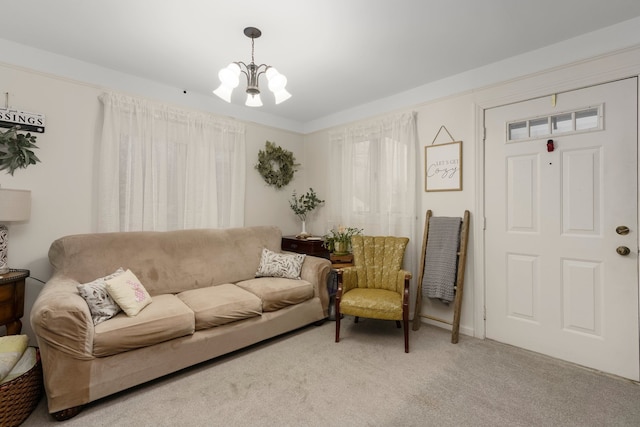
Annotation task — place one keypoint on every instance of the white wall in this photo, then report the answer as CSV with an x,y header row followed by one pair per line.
x,y
457,114
264,204
63,185
462,116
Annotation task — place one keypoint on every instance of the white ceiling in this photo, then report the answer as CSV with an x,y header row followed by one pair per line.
x,y
336,54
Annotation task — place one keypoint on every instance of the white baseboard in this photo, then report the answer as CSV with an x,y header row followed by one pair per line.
x,y
463,330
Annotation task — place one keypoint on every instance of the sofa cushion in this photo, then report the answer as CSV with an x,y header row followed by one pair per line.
x,y
101,305
275,264
167,318
277,292
217,305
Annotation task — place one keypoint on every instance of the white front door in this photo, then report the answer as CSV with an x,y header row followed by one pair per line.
x,y
555,282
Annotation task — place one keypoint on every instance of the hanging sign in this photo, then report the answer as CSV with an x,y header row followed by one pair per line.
x,y
443,165
33,122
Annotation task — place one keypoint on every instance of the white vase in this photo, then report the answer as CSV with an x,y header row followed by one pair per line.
x,y
303,234
4,243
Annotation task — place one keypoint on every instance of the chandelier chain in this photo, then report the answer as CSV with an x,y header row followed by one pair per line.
x,y
252,42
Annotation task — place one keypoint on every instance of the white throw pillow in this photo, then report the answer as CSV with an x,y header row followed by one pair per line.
x,y
11,349
101,305
275,264
129,293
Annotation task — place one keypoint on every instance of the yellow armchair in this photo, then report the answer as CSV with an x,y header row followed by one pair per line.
x,y
376,286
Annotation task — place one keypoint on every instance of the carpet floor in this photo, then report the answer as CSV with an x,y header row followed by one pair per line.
x,y
305,379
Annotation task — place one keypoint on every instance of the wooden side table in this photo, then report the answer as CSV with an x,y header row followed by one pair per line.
x,y
311,247
341,261
12,300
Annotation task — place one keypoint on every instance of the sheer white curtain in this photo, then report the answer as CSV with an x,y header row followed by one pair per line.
x,y
374,180
162,168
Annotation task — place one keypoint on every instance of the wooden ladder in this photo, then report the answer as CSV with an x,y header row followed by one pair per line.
x,y
459,285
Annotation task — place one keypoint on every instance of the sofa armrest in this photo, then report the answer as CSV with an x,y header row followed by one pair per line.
x,y
315,270
61,318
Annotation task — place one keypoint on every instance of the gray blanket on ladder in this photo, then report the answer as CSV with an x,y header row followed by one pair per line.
x,y
441,259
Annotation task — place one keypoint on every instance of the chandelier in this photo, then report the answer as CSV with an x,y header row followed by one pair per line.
x,y
230,77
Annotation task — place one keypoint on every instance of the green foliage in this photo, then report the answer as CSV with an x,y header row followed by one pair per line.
x,y
341,235
304,204
272,156
16,150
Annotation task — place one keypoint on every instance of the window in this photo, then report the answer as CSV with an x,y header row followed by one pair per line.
x,y
161,168
373,178
586,119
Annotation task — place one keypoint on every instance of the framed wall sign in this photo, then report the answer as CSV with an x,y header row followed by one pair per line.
x,y
443,167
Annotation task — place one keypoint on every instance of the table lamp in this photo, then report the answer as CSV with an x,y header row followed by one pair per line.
x,y
15,205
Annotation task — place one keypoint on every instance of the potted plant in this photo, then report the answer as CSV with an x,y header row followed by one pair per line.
x,y
302,205
16,150
338,240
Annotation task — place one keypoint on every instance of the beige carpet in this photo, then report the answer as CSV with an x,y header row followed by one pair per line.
x,y
305,379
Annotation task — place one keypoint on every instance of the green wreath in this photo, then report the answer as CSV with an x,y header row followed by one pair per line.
x,y
283,159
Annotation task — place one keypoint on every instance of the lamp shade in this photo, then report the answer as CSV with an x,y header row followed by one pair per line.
x,y
230,75
276,80
253,100
15,205
224,92
282,95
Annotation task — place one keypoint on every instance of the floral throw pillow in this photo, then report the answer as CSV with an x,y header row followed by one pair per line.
x,y
274,264
129,293
101,305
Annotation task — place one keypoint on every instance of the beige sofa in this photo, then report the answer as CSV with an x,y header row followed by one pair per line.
x,y
190,276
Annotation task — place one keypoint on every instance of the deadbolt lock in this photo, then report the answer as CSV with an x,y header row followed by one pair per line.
x,y
622,230
623,250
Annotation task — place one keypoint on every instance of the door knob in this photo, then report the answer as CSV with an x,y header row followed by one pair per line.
x,y
622,230
623,250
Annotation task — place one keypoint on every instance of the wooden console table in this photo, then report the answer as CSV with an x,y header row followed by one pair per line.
x,y
311,247
12,300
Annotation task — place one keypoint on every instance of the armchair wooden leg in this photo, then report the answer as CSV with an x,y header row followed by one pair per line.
x,y
405,312
405,321
337,305
398,324
406,335
356,319
338,316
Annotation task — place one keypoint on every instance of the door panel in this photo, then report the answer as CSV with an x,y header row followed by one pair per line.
x,y
522,193
554,281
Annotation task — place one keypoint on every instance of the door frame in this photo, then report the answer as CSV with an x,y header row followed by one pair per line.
x,y
599,70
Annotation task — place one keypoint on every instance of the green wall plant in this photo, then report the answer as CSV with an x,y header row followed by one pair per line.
x,y
16,150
